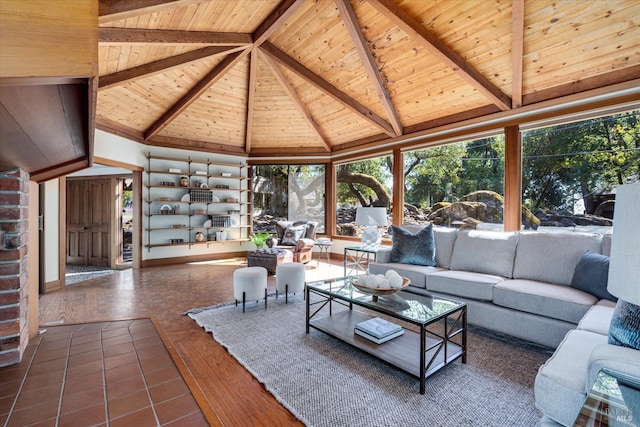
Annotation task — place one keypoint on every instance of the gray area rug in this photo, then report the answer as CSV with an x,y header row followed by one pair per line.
x,y
324,382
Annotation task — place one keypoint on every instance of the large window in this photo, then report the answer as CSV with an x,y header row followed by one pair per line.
x,y
570,171
456,185
288,192
367,183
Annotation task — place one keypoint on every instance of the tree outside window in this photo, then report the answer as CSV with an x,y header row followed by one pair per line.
x,y
287,192
362,183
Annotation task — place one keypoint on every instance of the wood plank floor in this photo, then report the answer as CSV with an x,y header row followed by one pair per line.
x,y
227,393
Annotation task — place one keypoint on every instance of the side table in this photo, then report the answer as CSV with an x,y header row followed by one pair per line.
x,y
323,245
356,260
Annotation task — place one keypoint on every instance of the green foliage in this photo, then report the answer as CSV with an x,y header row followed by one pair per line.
x,y
259,238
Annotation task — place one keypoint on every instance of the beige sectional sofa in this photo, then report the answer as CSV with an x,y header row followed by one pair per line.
x,y
519,284
515,283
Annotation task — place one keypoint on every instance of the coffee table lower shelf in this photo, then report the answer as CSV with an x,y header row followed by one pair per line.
x,y
401,352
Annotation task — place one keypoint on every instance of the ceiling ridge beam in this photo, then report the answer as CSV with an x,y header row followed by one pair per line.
x,y
326,87
115,10
441,51
129,36
291,92
517,51
361,44
165,64
275,20
190,97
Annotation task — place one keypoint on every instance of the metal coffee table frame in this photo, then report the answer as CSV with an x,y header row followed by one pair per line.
x,y
421,354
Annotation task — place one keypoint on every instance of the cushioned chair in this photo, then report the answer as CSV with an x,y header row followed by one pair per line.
x,y
298,237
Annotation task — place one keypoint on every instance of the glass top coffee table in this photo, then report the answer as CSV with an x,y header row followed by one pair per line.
x,y
435,329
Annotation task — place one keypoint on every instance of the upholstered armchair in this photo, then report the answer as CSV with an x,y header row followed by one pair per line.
x,y
298,237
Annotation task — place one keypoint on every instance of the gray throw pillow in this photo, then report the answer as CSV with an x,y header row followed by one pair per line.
x,y
592,275
409,248
625,325
292,235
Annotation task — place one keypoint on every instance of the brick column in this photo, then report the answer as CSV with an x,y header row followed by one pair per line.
x,y
14,284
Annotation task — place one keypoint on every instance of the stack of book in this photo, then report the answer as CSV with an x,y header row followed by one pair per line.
x,y
378,330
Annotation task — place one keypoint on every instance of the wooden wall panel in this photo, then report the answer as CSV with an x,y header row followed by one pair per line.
x,y
34,42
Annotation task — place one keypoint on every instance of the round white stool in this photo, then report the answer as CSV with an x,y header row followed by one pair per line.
x,y
290,278
250,283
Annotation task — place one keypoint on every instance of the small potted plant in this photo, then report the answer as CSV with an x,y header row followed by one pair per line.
x,y
259,238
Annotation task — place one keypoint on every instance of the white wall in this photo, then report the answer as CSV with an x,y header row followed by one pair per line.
x,y
122,150
52,230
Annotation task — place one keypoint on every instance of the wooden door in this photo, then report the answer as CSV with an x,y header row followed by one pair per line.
x,y
88,221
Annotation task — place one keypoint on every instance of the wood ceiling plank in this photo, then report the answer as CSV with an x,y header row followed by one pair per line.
x,y
212,100
278,17
361,45
171,37
161,65
441,51
327,88
517,51
195,92
290,91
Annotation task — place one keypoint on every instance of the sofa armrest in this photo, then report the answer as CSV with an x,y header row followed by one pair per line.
x,y
383,255
304,244
615,358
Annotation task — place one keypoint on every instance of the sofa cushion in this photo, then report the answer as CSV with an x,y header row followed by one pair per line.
x,y
598,318
545,299
487,252
410,248
444,237
606,244
560,385
625,325
466,284
592,275
551,257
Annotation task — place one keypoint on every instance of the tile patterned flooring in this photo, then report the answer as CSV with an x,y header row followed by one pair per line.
x,y
101,374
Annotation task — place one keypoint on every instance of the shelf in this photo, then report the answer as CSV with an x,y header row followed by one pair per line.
x,y
163,245
158,172
195,227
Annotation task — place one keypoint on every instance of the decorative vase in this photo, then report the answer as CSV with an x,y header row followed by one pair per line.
x,y
199,236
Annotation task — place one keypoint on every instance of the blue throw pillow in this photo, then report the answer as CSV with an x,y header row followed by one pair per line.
x,y
292,235
625,325
409,248
592,275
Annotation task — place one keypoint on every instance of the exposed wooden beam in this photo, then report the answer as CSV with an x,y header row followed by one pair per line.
x,y
278,17
441,51
191,96
113,10
291,92
162,65
512,217
251,94
517,51
170,37
353,27
326,87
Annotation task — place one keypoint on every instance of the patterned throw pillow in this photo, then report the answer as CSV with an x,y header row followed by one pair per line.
x,y
292,235
417,249
625,325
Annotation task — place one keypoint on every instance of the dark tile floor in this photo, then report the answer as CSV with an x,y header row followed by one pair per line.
x,y
97,374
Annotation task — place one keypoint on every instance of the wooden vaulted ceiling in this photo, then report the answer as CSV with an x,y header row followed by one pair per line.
x,y
313,77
